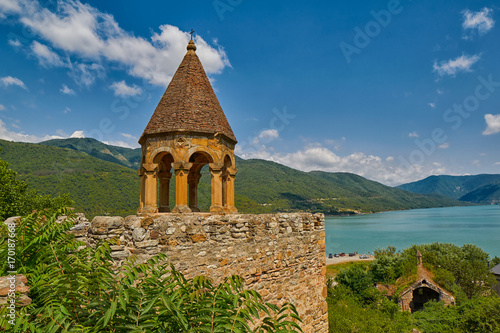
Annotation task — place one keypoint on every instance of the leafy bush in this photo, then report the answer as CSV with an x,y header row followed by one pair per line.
x,y
16,198
80,290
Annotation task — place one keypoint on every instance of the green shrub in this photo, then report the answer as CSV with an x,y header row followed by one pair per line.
x,y
79,290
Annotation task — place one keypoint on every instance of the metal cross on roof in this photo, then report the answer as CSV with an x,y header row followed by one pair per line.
x,y
191,33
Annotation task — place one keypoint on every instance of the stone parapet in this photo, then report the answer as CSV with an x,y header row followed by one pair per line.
x,y
282,256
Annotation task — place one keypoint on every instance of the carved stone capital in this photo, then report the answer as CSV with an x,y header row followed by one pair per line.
x,y
186,166
216,167
150,167
232,172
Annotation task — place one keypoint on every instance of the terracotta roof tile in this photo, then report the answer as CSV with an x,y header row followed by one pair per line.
x,y
189,103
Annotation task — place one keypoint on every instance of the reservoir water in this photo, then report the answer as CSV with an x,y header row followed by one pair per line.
x,y
479,225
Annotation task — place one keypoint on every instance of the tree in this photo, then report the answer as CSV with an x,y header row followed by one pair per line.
x,y
16,198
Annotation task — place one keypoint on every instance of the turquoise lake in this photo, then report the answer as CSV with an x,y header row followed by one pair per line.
x,y
478,225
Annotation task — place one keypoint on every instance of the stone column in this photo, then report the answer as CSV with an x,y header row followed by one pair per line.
x,y
164,177
181,186
142,177
216,175
193,181
229,190
150,188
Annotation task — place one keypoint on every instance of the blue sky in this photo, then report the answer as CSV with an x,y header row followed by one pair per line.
x,y
392,90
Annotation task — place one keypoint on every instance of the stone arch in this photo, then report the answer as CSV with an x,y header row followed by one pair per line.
x,y
160,151
198,159
164,160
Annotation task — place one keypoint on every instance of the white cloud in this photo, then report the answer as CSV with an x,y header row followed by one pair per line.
x,y
46,57
9,6
14,42
122,89
439,91
454,66
432,105
78,134
84,32
66,90
2,107
268,135
121,144
476,163
492,124
413,135
445,145
497,163
482,21
6,134
12,81
128,136
66,110
86,74
389,171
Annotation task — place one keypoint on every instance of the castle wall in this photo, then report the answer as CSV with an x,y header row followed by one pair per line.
x,y
282,256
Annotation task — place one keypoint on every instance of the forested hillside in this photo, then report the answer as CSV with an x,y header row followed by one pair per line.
x,y
99,186
481,189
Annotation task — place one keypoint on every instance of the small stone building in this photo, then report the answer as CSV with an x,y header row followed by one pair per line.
x,y
187,131
422,291
496,271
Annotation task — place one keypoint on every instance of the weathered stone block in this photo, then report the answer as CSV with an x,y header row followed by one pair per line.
x,y
107,222
138,234
197,238
148,243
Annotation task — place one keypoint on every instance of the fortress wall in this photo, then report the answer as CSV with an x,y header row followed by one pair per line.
x,y
282,256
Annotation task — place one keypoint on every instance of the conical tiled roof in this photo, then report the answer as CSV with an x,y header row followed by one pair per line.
x,y
189,103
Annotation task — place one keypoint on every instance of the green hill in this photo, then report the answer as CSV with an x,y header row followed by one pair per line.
x,y
480,187
487,194
127,157
99,185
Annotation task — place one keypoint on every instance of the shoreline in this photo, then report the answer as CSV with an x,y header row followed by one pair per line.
x,y
341,260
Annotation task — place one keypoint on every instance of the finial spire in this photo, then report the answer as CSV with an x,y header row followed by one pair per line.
x,y
191,45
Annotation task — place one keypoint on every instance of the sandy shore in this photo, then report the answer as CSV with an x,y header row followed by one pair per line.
x,y
339,260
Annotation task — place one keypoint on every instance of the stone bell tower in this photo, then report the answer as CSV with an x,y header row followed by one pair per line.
x,y
188,130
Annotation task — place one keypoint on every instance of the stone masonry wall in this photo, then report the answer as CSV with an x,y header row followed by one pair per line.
x,y
282,256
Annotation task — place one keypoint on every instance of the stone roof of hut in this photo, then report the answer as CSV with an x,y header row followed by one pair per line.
x,y
189,103
496,270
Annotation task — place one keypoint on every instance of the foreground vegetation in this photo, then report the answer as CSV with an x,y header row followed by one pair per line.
x,y
79,290
355,305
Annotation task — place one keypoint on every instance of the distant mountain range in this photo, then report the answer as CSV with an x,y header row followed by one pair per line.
x,y
480,189
102,179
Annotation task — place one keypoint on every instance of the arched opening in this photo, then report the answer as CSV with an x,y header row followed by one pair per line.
x,y
421,296
198,161
164,161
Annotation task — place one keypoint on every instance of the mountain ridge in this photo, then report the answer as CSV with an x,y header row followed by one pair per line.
x,y
100,186
479,189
